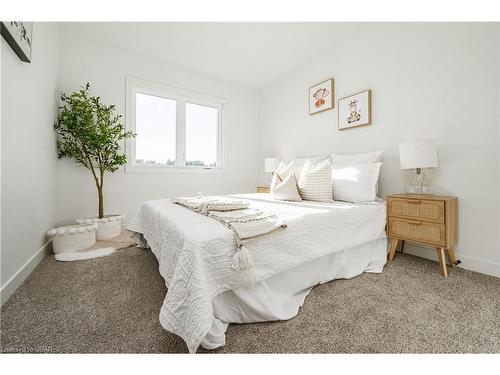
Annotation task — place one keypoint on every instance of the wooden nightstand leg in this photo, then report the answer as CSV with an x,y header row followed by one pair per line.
x,y
451,255
393,246
442,261
402,246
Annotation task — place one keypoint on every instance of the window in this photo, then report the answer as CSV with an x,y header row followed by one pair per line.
x,y
202,123
156,129
176,130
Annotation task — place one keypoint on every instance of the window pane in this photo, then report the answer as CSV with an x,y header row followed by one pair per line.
x,y
201,135
155,125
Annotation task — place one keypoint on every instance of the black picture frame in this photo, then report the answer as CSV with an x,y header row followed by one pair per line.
x,y
6,30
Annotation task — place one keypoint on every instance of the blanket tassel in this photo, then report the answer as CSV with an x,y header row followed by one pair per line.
x,y
242,259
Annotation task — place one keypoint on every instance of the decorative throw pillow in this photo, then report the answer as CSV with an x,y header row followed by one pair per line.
x,y
283,171
299,162
355,182
286,190
315,182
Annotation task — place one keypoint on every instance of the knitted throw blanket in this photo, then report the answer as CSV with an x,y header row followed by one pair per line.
x,y
246,223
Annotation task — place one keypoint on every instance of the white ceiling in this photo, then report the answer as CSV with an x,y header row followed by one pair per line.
x,y
248,54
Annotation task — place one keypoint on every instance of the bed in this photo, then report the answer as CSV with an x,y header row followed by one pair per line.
x,y
323,241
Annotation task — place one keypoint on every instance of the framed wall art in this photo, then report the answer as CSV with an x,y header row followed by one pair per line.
x,y
321,97
19,35
355,110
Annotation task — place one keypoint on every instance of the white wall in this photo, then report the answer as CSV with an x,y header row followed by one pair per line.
x,y
29,94
498,130
428,81
106,68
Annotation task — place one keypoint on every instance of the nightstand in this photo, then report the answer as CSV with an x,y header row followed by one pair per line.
x,y
427,219
263,189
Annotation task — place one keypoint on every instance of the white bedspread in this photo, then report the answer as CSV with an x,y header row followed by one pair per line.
x,y
195,252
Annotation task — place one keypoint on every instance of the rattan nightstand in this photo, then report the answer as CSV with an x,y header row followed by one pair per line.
x,y
427,219
263,189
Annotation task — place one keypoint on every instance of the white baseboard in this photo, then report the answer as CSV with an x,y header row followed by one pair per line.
x,y
13,283
468,263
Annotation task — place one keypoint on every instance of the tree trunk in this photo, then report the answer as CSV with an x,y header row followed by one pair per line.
x,y
101,202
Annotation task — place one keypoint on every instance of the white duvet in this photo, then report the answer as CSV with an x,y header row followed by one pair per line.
x,y
195,252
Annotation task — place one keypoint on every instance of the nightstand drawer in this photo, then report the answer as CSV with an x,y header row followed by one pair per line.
x,y
428,210
416,230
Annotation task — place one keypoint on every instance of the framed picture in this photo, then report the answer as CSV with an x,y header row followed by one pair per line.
x,y
19,35
355,110
321,97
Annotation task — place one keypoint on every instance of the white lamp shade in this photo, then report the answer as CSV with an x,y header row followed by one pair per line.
x,y
418,154
271,164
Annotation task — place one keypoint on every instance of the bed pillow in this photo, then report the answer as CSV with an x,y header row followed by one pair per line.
x,y
367,157
315,182
283,171
355,182
286,190
299,163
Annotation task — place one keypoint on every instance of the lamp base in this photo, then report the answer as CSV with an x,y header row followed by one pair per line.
x,y
419,190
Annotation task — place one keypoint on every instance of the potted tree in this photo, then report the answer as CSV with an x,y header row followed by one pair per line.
x,y
91,133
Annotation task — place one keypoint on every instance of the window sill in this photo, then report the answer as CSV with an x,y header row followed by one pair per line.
x,y
153,170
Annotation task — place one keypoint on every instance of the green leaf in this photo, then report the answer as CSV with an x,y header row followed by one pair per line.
x,y
90,133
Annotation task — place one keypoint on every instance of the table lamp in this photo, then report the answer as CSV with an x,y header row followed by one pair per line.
x,y
271,164
418,155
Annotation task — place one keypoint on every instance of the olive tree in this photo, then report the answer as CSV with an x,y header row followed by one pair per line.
x,y
91,133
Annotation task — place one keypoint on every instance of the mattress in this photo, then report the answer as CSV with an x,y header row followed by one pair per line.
x,y
195,252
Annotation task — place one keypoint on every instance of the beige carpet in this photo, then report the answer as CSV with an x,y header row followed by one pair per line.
x,y
111,304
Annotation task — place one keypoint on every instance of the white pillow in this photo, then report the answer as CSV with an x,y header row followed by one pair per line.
x,y
284,169
286,190
367,157
315,182
355,182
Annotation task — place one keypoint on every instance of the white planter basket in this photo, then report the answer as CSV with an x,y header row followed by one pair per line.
x,y
73,237
108,227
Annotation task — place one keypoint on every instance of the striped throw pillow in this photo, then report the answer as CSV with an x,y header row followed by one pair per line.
x,y
315,182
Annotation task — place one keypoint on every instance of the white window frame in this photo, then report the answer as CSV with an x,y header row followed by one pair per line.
x,y
182,96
